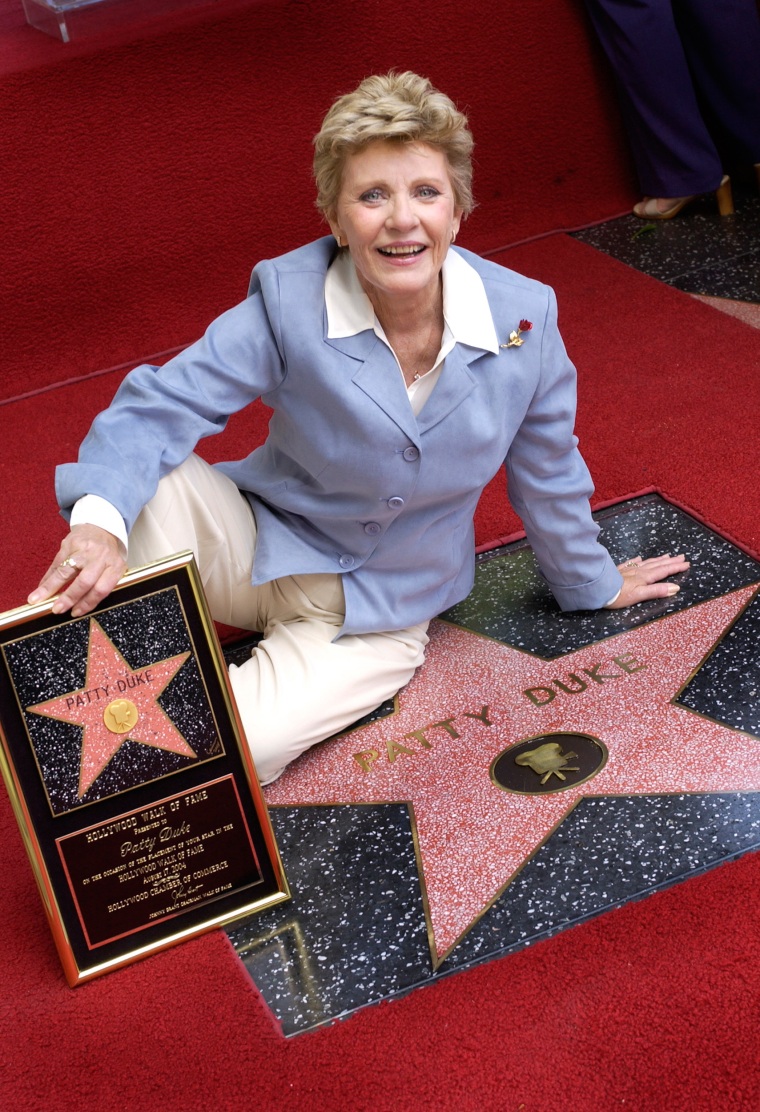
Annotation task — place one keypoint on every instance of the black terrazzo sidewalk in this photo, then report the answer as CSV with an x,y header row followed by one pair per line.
x,y
355,931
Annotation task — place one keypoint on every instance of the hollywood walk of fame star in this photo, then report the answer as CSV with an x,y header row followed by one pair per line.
x,y
117,704
436,752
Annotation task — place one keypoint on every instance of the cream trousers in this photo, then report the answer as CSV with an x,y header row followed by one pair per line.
x,y
299,686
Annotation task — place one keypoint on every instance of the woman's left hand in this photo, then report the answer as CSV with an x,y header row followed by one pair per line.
x,y
642,579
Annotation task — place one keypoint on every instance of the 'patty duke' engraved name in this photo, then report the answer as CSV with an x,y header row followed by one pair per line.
x,y
425,738
147,845
109,690
575,683
585,679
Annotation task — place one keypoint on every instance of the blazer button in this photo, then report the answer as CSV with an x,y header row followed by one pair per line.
x,y
411,454
395,503
346,561
373,528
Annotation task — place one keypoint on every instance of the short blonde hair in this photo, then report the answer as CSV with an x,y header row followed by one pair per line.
x,y
401,107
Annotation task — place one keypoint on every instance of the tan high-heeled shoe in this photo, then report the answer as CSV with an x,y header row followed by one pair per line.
x,y
648,210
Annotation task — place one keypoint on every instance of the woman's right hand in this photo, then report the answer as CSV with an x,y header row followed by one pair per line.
x,y
87,567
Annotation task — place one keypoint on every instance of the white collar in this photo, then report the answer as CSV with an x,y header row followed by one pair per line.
x,y
465,305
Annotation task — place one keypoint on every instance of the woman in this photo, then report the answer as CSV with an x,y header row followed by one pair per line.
x,y
396,396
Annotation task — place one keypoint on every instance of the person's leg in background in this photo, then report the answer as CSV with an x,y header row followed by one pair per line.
x,y
722,45
672,149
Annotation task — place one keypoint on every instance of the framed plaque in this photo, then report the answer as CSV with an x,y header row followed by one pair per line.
x,y
129,773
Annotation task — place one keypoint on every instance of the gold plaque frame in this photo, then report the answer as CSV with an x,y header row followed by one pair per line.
x,y
129,774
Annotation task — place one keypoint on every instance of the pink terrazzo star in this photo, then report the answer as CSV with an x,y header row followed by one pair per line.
x,y
469,703
114,692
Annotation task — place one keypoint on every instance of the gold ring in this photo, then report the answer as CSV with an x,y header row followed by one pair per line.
x,y
70,562
630,564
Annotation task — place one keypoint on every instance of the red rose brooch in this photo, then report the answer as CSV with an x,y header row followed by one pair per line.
x,y
514,340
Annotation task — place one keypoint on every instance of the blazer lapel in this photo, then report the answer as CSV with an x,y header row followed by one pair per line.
x,y
455,383
379,378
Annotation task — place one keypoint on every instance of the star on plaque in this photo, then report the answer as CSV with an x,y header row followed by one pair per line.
x,y
600,721
117,704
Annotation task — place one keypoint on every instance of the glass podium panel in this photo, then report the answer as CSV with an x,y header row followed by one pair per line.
x,y
70,20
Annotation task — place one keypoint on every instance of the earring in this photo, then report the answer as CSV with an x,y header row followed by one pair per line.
x,y
453,235
339,241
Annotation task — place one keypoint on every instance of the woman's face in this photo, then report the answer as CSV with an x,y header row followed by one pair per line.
x,y
397,213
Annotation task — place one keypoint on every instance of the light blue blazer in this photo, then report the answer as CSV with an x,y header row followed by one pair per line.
x,y
349,480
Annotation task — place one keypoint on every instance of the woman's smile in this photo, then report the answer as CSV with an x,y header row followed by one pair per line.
x,y
397,214
399,251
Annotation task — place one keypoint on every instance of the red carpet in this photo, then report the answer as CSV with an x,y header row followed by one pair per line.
x,y
654,1006
144,178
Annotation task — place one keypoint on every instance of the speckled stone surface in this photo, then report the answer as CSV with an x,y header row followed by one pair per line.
x,y
66,676
727,686
406,861
354,930
738,279
606,852
512,605
698,251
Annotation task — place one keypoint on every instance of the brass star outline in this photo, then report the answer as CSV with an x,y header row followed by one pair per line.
x,y
472,838
108,677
